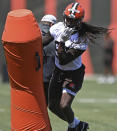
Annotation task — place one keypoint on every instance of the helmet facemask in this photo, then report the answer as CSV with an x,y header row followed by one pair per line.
x,y
72,23
73,15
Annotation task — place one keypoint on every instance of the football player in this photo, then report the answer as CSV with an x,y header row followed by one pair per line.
x,y
48,50
71,37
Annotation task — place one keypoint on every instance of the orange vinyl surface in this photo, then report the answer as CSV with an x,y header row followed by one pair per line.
x,y
23,46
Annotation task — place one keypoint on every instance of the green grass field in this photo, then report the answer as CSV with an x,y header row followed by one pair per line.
x,y
95,103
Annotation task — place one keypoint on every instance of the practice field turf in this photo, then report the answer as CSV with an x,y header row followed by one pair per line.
x,y
95,103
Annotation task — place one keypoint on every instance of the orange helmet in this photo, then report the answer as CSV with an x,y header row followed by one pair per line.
x,y
74,12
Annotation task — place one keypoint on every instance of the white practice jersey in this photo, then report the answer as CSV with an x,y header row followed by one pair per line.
x,y
56,31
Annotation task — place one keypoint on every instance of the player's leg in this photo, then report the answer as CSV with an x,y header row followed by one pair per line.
x,y
71,87
46,86
65,105
74,123
55,92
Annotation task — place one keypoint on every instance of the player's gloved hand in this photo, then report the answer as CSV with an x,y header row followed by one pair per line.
x,y
66,34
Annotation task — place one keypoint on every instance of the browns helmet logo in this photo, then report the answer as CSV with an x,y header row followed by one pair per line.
x,y
74,10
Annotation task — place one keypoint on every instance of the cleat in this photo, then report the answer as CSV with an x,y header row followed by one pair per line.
x,y
82,126
71,129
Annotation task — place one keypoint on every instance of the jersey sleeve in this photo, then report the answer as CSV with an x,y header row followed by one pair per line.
x,y
56,31
76,42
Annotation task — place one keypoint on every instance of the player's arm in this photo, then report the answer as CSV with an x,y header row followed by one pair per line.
x,y
67,56
46,39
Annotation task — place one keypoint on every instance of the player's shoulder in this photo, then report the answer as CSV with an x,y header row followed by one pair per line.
x,y
56,26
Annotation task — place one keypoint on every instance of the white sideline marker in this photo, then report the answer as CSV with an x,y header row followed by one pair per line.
x,y
94,100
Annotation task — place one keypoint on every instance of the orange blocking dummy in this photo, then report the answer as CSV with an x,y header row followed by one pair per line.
x,y
23,50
